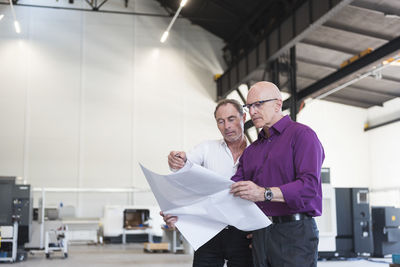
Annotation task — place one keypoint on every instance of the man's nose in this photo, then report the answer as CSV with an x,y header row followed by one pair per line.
x,y
252,111
228,125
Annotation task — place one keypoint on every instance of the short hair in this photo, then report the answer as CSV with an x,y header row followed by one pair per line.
x,y
233,102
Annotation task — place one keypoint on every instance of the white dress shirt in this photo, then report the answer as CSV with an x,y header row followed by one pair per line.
x,y
214,155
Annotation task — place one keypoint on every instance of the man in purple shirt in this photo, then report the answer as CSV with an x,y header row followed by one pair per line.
x,y
280,172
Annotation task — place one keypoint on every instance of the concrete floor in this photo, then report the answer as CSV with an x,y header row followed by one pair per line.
x,y
106,255
133,255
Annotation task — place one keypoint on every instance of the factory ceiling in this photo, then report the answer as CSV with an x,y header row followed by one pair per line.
x,y
345,51
336,43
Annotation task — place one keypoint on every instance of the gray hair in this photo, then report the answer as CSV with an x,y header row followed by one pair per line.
x,y
233,102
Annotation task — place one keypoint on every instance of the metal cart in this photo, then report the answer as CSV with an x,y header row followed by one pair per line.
x,y
56,241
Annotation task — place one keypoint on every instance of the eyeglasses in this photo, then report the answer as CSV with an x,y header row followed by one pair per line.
x,y
257,104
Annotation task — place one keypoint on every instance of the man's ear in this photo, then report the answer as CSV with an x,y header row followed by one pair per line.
x,y
279,103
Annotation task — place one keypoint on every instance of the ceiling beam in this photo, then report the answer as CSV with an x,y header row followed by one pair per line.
x,y
117,12
304,20
350,71
245,26
341,49
348,28
377,6
357,88
317,63
227,8
90,10
390,79
350,102
364,90
334,67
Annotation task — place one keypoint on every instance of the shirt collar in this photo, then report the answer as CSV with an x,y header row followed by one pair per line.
x,y
282,124
223,143
277,128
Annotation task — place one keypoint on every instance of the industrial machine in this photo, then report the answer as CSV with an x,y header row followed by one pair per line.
x,y
15,218
136,218
136,223
386,232
354,225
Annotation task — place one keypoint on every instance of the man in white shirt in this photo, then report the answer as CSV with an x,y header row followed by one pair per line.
x,y
222,157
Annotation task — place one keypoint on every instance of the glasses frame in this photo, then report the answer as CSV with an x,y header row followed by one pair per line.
x,y
248,106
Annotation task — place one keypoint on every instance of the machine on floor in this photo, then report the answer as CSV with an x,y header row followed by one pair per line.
x,y
132,223
386,231
15,219
354,224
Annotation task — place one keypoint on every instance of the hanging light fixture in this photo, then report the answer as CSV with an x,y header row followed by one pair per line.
x,y
166,33
16,23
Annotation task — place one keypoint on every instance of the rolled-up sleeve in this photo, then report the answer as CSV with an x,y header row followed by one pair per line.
x,y
196,155
308,156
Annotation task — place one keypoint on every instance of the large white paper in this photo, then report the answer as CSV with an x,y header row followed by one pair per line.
x,y
201,200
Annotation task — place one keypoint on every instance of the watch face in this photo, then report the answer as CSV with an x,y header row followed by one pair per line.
x,y
268,194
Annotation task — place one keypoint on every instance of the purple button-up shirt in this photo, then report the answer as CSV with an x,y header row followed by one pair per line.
x,y
291,159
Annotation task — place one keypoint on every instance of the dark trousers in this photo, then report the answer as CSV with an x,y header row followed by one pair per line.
x,y
230,244
289,244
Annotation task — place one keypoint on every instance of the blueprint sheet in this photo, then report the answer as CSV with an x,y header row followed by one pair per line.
x,y
201,200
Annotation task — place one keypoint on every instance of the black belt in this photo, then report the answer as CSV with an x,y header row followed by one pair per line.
x,y
290,218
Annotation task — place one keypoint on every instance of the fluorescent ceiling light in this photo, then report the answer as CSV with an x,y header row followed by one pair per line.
x,y
16,23
17,27
183,3
392,16
396,63
165,34
1,16
164,37
393,61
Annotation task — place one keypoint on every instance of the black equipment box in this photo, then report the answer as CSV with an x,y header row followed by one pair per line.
x,y
354,227
386,223
16,205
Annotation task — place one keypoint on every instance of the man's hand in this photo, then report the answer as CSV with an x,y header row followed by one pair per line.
x,y
248,190
176,159
169,219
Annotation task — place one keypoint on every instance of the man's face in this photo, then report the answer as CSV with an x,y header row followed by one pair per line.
x,y
230,123
261,114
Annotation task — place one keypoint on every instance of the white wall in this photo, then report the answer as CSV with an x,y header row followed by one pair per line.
x,y
358,158
384,154
85,96
340,129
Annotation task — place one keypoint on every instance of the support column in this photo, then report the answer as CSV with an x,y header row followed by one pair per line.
x,y
293,84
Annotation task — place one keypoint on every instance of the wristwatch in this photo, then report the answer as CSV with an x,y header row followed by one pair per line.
x,y
268,194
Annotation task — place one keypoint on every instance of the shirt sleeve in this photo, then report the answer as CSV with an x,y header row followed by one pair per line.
x,y
239,175
195,155
308,156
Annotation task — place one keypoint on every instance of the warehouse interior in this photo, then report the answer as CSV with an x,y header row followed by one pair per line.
x,y
88,92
